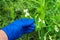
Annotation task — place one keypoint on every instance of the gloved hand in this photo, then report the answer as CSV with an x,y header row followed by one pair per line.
x,y
19,27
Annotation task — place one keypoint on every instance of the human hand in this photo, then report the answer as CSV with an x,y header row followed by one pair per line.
x,y
19,27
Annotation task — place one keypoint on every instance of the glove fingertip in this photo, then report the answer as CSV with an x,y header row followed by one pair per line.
x,y
27,21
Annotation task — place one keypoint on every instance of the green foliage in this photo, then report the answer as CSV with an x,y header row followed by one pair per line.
x,y
45,12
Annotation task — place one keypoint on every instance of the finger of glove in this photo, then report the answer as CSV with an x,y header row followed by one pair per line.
x,y
27,22
24,22
30,29
32,26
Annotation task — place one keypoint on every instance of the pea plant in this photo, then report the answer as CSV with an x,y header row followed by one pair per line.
x,y
46,14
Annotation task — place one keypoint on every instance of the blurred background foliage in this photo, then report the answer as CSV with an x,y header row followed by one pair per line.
x,y
45,12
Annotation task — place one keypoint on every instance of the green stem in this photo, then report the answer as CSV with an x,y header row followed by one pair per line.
x,y
39,35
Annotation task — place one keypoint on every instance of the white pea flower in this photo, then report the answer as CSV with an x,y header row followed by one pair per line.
x,y
39,20
27,14
50,37
25,10
43,21
56,29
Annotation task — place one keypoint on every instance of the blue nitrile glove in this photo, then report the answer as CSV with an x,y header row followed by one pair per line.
x,y
19,27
